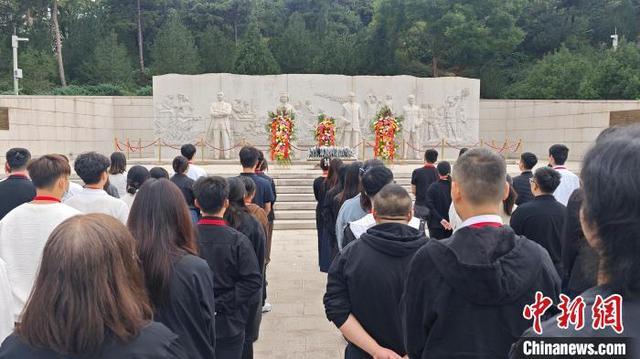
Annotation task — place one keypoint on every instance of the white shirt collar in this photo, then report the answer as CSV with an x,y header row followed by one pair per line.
x,y
95,191
489,218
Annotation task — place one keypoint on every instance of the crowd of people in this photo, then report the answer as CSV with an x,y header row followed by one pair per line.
x,y
143,264
133,263
493,246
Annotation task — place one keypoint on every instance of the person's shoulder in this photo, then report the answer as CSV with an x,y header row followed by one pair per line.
x,y
14,347
155,338
191,263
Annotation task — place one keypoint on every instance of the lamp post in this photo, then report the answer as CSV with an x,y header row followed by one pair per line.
x,y
17,73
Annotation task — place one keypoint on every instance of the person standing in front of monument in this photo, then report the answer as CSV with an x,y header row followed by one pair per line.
x,y
558,155
17,188
521,183
262,167
421,180
264,193
220,128
438,201
194,172
351,115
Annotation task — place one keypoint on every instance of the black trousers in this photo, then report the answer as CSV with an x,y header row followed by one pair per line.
x,y
230,348
439,233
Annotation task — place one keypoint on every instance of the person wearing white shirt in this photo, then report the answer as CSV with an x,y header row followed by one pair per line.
x,y
25,230
92,168
558,155
7,318
194,172
118,173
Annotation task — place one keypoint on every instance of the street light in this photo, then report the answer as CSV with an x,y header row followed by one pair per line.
x,y
17,73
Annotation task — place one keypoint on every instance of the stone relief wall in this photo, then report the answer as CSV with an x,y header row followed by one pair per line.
x,y
184,105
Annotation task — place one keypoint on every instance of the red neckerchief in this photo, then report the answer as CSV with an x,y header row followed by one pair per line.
x,y
486,224
213,221
429,165
559,168
18,175
46,198
259,172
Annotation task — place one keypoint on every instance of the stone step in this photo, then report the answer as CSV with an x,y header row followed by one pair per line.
x,y
295,189
300,182
295,197
284,214
294,224
295,206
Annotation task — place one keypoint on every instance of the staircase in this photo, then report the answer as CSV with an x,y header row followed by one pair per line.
x,y
295,207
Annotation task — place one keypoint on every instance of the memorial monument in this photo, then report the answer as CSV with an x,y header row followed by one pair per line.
x,y
436,109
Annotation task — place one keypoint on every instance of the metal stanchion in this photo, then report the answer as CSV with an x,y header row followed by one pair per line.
x,y
159,151
128,149
140,147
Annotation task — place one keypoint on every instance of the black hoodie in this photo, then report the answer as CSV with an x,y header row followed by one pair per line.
x,y
367,280
465,295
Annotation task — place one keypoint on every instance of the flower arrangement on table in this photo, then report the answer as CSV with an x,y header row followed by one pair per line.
x,y
326,131
385,126
281,127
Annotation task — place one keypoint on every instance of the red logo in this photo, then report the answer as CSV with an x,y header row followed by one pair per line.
x,y
608,313
572,312
536,310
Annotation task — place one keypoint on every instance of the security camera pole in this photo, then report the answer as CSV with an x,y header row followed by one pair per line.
x,y
17,73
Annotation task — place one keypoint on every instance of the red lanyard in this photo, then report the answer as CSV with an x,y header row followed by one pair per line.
x,y
560,168
213,222
486,224
46,198
429,165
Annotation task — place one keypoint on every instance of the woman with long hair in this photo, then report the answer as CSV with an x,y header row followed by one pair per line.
x,y
351,186
118,173
88,299
136,177
329,244
179,283
319,191
239,218
509,204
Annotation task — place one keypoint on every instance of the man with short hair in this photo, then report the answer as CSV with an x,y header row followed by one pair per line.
x,y
558,155
438,202
194,172
25,230
92,169
421,179
271,217
237,274
17,188
542,220
465,294
374,327
264,194
521,183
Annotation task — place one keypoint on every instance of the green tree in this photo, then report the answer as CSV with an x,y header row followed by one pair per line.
x,y
254,56
616,75
174,49
110,62
295,48
217,51
39,68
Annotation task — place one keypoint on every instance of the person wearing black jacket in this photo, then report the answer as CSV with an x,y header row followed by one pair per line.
x,y
479,280
542,220
238,217
521,183
319,191
421,179
185,184
439,201
366,280
230,254
17,188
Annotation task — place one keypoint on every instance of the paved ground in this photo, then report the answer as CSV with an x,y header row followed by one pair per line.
x,y
297,327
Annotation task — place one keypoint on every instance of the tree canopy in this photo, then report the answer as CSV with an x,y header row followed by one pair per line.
x,y
518,48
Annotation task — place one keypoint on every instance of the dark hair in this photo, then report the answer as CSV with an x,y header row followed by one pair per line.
x,y
89,287
372,182
136,176
462,151
333,177
560,153
392,201
510,201
262,162
249,185
431,156
180,164
188,151
161,224
46,170
17,158
351,186
211,192
444,168
612,207
237,209
547,179
481,174
529,160
264,165
248,157
158,173
324,163
118,163
90,166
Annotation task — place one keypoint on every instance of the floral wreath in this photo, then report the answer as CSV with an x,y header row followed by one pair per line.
x,y
325,133
385,126
281,127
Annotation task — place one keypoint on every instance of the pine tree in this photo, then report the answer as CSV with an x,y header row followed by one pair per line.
x,y
217,52
40,71
110,62
254,56
174,49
